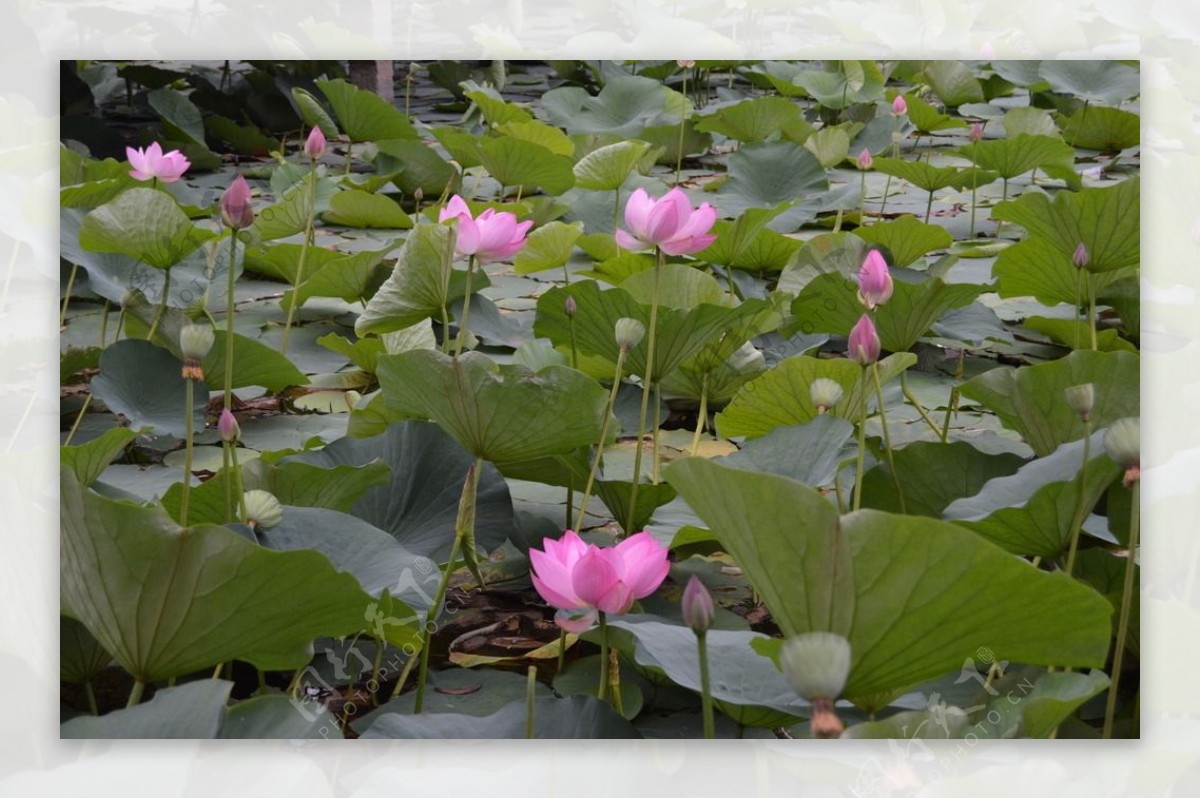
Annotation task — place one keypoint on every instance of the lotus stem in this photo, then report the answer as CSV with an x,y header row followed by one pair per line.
x,y
78,420
887,439
407,670
654,465
229,312
614,680
91,698
237,485
647,379
862,198
162,305
1126,604
862,443
916,403
682,120
530,686
702,416
447,269
1080,506
463,330
974,182
562,648
602,691
608,410
135,695
311,208
189,399
574,348
706,703
227,473
1092,311
887,186
616,221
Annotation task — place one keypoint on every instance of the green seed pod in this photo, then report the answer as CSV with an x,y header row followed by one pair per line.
x,y
195,341
825,393
1081,399
629,333
263,511
1122,441
816,664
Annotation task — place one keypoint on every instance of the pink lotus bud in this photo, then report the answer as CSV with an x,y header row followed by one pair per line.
x,y
864,341
976,131
570,306
228,428
899,106
865,161
314,146
685,64
668,223
237,210
697,606
1081,257
874,281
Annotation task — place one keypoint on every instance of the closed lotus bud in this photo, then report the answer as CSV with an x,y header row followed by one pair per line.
x,y
237,210
816,665
570,306
976,132
1081,399
1123,443
228,428
629,333
864,341
899,106
1081,257
825,393
865,161
314,146
418,194
194,343
263,511
697,606
685,64
352,399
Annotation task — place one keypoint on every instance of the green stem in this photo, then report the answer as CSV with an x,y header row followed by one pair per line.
x,y
1003,198
705,690
682,119
1081,508
311,208
562,649
462,327
237,476
950,410
883,203
614,680
974,181
103,325
91,698
427,633
702,416
227,474
602,692
349,157
78,420
654,478
1092,310
162,306
591,481
616,223
530,686
408,667
1126,605
135,695
837,489
574,349
928,207
862,199
189,399
229,312
862,443
887,439
916,403
647,379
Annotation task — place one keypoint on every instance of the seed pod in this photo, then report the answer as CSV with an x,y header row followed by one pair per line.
x,y
825,393
263,511
1081,399
629,333
816,664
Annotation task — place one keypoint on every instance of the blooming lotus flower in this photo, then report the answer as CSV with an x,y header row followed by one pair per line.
x,y
874,281
899,106
237,211
685,63
491,236
864,341
153,163
314,145
668,222
581,579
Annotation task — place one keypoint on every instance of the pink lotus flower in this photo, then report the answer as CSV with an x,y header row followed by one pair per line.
x,y
152,163
582,579
668,222
874,281
864,341
899,106
697,606
237,211
227,427
491,236
865,161
976,132
314,145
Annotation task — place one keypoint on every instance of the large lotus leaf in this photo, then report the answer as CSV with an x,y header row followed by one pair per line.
x,y
178,112
1038,268
1027,119
1106,221
830,304
830,144
289,215
765,251
943,722
954,82
824,442
80,655
606,168
624,106
1031,511
191,710
548,247
664,140
841,253
1019,154
313,113
362,209
486,407
735,238
1035,710
757,317
295,482
515,162
419,505
681,334
541,134
412,165
277,716
933,475
781,396
254,364
905,591
1030,400
144,224
615,496
374,557
1076,334
1106,81
144,383
851,82
933,178
474,693
906,238
751,120
766,174
88,461
421,283
569,717
738,676
927,119
364,115
1107,129
679,286
167,601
